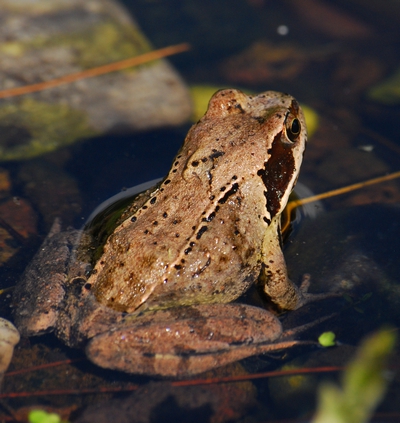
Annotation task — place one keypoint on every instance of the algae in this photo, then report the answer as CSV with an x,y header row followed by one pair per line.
x,y
33,127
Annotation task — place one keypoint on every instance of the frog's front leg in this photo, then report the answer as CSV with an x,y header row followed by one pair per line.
x,y
184,341
274,278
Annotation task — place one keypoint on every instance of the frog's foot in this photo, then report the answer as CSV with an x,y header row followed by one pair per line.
x,y
304,297
185,341
298,330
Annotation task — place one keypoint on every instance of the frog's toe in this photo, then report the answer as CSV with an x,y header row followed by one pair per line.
x,y
305,297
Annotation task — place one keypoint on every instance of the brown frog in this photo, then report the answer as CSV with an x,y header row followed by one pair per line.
x,y
154,299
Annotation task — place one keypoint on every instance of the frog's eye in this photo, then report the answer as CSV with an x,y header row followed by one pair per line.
x,y
293,128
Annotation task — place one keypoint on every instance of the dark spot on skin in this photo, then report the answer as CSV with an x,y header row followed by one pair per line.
x,y
144,207
216,154
236,232
277,173
121,264
195,163
165,280
176,163
267,221
249,253
153,200
167,181
174,171
201,232
178,267
187,251
146,231
239,106
212,197
193,228
223,189
204,159
133,219
234,177
192,244
174,222
229,193
260,119
155,243
177,235
88,286
165,215
209,218
155,223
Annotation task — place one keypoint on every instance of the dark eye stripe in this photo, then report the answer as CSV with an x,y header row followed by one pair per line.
x,y
277,174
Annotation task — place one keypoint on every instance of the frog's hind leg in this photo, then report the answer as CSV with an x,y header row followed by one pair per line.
x,y
40,292
185,341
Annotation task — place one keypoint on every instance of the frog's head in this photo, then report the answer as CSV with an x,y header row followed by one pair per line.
x,y
286,135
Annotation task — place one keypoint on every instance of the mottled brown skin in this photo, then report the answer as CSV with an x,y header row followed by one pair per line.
x,y
155,302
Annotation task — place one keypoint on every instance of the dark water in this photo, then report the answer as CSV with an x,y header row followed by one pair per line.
x,y
332,56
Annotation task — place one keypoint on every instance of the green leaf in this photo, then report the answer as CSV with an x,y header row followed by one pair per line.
x,y
42,416
327,339
366,296
364,384
348,298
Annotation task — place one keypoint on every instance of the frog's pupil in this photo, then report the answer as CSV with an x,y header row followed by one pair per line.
x,y
295,126
294,130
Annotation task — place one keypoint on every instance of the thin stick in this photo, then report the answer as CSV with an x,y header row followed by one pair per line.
x,y
293,204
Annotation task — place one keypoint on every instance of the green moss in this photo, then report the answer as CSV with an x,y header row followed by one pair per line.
x,y
97,45
32,128
103,43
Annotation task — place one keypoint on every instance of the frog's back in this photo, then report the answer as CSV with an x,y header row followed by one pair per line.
x,y
199,236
